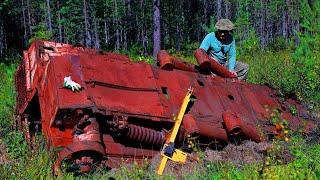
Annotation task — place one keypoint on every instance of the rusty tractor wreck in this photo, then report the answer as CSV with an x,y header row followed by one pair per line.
x,y
124,110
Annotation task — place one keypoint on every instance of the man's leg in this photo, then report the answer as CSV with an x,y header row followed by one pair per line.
x,y
242,70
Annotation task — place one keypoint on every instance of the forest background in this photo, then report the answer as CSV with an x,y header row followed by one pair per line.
x,y
279,39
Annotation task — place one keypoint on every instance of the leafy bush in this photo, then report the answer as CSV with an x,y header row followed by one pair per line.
x,y
307,66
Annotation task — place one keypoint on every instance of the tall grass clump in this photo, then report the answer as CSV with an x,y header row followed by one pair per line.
x,y
22,163
7,96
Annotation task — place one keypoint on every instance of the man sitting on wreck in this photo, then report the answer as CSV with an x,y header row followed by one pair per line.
x,y
221,46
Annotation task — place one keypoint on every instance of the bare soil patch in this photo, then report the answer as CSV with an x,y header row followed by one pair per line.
x,y
3,156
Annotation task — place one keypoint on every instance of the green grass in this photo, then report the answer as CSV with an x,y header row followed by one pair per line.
x,y
7,95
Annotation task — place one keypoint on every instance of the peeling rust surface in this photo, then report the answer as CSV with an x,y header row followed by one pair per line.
x,y
125,109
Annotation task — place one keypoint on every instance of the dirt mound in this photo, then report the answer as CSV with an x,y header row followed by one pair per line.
x,y
246,153
176,169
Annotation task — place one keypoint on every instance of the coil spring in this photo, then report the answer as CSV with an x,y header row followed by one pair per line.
x,y
145,135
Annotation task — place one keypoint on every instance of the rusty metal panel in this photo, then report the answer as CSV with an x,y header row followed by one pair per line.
x,y
121,86
69,65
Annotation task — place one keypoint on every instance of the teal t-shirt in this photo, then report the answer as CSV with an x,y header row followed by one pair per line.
x,y
219,50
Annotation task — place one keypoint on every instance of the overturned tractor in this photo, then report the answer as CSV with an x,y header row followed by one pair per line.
x,y
124,110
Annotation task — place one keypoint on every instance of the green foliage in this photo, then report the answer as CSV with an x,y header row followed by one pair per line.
x,y
136,54
17,147
41,32
249,44
273,68
302,167
277,44
4,3
6,96
211,27
72,22
307,63
291,73
26,164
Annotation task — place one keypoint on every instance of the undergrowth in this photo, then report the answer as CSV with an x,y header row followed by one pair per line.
x,y
7,95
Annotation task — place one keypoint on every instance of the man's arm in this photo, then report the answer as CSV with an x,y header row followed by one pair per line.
x,y
232,56
205,44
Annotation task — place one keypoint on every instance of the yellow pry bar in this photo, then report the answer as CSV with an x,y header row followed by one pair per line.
x,y
178,155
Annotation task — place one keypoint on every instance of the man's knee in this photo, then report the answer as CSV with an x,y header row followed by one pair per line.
x,y
243,65
242,70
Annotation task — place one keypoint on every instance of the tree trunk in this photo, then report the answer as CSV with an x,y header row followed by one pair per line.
x,y
25,36
49,15
179,22
143,31
296,37
86,25
284,24
156,28
96,34
127,23
205,11
144,37
178,37
29,17
263,25
218,9
106,32
1,38
121,33
59,24
116,25
227,9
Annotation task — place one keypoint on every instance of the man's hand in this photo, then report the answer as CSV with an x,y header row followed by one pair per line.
x,y
68,83
234,73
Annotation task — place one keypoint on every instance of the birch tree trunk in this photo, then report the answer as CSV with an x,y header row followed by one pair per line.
x,y
156,28
49,16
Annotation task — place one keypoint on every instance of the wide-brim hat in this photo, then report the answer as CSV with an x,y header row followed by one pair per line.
x,y
224,25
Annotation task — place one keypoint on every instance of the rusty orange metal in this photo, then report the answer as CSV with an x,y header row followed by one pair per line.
x,y
209,63
125,109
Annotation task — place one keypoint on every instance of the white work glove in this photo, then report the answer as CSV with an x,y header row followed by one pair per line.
x,y
68,83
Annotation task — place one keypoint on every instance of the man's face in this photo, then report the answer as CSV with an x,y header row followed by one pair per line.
x,y
223,34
